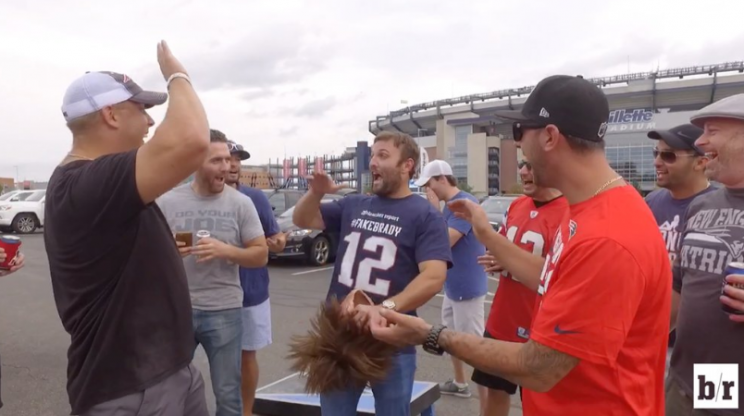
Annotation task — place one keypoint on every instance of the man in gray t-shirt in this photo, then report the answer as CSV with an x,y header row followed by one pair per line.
x,y
680,175
713,236
212,264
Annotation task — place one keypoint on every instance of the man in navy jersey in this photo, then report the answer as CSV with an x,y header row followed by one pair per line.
x,y
393,245
254,281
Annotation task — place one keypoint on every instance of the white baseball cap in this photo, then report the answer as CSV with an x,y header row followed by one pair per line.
x,y
432,169
96,90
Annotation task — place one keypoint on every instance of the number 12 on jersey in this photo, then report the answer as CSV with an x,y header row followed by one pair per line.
x,y
363,279
529,237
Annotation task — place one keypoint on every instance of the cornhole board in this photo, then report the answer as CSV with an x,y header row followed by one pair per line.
x,y
287,397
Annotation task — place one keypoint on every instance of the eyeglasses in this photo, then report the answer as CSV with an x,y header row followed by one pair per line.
x,y
524,164
518,130
668,156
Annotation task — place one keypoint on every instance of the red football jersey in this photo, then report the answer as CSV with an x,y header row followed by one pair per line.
x,y
604,297
531,228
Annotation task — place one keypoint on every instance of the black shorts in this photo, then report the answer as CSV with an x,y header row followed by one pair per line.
x,y
493,382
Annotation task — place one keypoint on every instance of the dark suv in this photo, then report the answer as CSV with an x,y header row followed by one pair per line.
x,y
316,247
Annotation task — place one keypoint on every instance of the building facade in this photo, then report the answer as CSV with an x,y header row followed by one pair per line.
x,y
481,150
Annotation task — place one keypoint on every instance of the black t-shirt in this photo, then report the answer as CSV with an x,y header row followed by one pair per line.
x,y
118,281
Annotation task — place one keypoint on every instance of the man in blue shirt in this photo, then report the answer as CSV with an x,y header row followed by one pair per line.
x,y
466,285
255,283
393,246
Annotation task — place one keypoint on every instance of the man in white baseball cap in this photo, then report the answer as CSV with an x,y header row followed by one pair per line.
x,y
466,284
117,276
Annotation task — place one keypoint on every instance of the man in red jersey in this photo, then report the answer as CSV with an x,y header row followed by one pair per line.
x,y
530,224
599,334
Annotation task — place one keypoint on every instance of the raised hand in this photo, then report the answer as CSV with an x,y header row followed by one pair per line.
x,y
320,183
169,65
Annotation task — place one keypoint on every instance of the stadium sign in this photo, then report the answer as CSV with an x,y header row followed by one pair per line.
x,y
638,119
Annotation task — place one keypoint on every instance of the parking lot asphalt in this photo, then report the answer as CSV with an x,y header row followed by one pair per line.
x,y
33,344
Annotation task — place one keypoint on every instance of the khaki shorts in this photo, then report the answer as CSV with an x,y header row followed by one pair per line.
x,y
466,316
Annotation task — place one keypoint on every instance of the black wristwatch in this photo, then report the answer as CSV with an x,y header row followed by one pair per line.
x,y
431,345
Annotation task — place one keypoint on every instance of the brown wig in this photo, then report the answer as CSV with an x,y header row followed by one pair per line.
x,y
336,354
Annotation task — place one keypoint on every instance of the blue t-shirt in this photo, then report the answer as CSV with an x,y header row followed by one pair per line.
x,y
670,215
381,243
466,279
255,280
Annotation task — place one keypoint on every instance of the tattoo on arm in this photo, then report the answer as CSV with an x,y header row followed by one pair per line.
x,y
543,364
531,365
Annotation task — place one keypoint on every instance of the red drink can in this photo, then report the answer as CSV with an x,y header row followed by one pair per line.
x,y
11,244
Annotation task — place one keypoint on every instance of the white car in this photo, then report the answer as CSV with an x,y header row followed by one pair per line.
x,y
23,212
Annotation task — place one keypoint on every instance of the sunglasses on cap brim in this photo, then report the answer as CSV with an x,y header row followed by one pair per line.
x,y
668,156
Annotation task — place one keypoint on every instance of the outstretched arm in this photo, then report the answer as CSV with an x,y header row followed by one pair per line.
x,y
531,364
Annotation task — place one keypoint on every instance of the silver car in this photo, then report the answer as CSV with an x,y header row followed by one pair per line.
x,y
495,207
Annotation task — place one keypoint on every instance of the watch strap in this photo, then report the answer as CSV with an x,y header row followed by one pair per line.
x,y
431,344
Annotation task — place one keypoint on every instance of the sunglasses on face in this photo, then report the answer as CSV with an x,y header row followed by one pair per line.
x,y
518,130
525,164
668,156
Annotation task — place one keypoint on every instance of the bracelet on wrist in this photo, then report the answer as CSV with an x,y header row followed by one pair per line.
x,y
175,76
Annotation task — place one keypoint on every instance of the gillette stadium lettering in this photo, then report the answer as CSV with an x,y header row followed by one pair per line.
x,y
629,120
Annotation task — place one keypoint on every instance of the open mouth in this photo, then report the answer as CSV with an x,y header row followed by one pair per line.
x,y
712,155
660,174
528,182
376,177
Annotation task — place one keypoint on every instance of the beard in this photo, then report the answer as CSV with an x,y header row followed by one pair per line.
x,y
232,178
388,184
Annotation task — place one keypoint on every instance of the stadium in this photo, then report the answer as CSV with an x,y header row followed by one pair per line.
x,y
480,148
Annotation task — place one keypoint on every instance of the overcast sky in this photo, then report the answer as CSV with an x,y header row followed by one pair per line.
x,y
301,77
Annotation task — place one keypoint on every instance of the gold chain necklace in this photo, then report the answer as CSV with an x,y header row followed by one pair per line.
x,y
73,155
608,183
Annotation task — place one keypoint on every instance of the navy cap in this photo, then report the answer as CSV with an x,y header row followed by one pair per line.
x,y
236,149
681,137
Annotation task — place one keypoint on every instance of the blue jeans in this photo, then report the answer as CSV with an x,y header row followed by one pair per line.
x,y
220,333
392,396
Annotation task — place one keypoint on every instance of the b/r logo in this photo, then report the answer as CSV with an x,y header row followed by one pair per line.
x,y
716,386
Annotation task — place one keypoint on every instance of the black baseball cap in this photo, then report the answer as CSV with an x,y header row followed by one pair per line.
x,y
576,106
236,149
681,137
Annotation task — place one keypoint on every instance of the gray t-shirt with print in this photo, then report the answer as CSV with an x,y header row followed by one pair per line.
x,y
670,215
229,217
713,237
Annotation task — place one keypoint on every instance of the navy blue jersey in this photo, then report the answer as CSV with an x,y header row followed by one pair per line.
x,y
382,241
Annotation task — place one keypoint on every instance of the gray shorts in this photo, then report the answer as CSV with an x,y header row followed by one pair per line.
x,y
256,327
466,316
181,394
